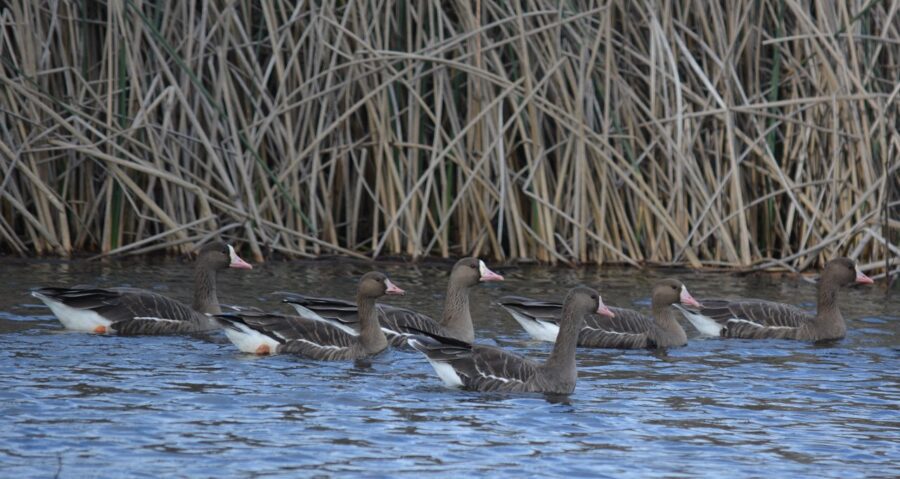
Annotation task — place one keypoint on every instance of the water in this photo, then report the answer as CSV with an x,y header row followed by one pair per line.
x,y
78,405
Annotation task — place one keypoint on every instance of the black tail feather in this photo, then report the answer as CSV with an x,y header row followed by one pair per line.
x,y
438,338
227,320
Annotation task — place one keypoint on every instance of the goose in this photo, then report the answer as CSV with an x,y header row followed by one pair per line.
x,y
397,323
488,368
132,311
759,319
270,333
628,329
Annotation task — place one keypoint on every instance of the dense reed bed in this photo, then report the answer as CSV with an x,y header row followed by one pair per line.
x,y
733,133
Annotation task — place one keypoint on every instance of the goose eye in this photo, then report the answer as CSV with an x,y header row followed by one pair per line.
x,y
473,266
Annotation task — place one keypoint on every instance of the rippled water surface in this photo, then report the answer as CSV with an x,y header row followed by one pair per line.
x,y
77,405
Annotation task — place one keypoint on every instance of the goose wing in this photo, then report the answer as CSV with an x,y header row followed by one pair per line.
x,y
762,313
627,330
131,311
493,369
536,309
401,323
477,367
236,308
396,322
296,335
328,309
752,318
540,319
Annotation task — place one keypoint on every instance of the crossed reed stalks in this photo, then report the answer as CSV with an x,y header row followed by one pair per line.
x,y
731,133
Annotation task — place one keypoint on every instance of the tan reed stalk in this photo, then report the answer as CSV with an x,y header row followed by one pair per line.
x,y
763,135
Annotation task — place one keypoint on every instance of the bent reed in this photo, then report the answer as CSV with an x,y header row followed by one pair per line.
x,y
762,135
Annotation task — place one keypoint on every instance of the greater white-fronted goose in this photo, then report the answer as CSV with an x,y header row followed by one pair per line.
x,y
398,323
269,333
132,311
758,319
487,368
627,329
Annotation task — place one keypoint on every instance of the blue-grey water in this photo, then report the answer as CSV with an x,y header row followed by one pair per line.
x,y
82,405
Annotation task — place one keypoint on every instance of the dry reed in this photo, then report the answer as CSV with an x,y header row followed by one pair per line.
x,y
735,133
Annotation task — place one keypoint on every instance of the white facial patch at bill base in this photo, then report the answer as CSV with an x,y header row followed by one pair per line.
x,y
684,293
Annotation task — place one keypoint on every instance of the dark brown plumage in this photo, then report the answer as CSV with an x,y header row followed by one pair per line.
x,y
759,319
487,368
398,323
268,333
627,329
132,311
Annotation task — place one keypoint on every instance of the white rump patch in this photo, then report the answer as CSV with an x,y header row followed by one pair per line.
x,y
704,324
74,318
537,329
249,340
447,374
444,370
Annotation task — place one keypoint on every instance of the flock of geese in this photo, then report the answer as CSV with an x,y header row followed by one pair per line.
x,y
334,329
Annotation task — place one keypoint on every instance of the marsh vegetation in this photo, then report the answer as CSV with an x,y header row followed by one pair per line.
x,y
728,134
